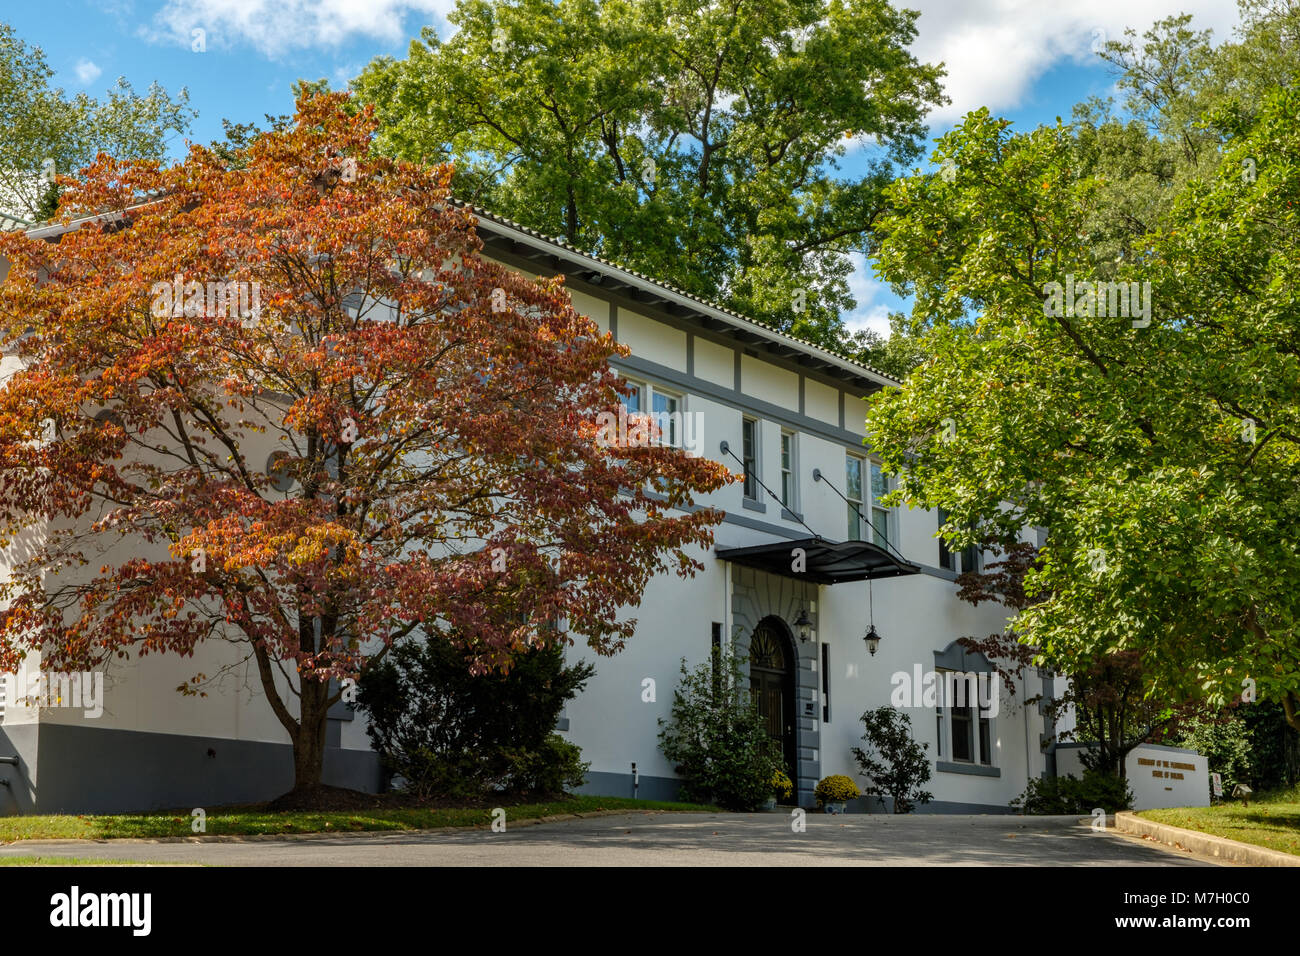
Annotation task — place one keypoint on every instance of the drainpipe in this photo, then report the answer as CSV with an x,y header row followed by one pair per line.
x,y
1025,707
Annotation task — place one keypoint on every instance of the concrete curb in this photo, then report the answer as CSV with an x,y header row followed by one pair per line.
x,y
334,834
1205,844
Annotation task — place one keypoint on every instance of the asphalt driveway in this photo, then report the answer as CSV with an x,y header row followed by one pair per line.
x,y
672,839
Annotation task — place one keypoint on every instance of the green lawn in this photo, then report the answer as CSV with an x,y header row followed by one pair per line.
x,y
1271,820
258,820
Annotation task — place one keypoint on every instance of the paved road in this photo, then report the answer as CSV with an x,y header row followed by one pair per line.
x,y
675,839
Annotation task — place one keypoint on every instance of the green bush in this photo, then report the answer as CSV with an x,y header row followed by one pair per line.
x,y
1069,795
1225,743
717,738
457,735
554,767
898,766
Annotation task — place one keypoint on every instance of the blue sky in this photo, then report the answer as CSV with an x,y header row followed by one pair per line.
x,y
1027,60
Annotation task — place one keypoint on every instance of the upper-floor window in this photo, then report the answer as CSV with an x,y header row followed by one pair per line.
x,y
665,408
963,561
789,470
853,486
879,513
749,455
865,485
633,401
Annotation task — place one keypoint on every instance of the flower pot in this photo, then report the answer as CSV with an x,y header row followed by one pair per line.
x,y
835,806
769,804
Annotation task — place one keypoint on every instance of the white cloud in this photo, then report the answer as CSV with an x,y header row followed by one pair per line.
x,y
994,50
869,314
87,71
274,27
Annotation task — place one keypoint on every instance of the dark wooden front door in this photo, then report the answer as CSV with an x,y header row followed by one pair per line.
x,y
771,681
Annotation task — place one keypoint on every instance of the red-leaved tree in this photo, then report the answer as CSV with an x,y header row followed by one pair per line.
x,y
285,403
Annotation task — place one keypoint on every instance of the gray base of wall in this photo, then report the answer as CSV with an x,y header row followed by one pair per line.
x,y
91,770
873,805
605,784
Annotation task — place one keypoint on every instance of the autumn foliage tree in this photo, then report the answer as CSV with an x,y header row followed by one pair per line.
x,y
386,432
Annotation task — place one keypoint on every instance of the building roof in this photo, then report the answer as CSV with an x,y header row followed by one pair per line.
x,y
501,234
11,223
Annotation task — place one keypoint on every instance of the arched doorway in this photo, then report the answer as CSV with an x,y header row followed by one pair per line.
x,y
771,681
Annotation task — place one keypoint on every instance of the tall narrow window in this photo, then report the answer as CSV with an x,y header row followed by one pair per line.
x,y
879,513
788,472
633,401
826,683
749,454
965,729
963,743
963,561
853,492
666,409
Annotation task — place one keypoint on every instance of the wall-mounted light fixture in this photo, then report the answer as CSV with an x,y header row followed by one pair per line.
x,y
803,625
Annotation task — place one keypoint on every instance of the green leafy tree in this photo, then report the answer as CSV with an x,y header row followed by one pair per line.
x,y
1161,448
897,766
696,143
49,134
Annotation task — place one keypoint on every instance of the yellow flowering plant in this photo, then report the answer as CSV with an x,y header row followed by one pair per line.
x,y
836,788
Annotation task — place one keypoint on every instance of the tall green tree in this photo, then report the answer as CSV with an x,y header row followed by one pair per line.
x,y
695,142
48,133
1161,448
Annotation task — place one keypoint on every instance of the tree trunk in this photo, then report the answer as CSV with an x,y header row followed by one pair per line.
x,y
1289,708
309,741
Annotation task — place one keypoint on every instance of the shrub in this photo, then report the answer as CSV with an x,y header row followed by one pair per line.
x,y
836,788
899,767
1069,795
1225,743
717,739
553,767
454,734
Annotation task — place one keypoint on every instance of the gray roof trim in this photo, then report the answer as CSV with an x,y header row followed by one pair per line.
x,y
708,314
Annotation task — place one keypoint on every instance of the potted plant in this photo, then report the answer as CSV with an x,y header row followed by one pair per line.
x,y
782,789
835,791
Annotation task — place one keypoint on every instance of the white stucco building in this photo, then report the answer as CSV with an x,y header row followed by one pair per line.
x,y
793,414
